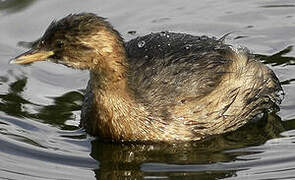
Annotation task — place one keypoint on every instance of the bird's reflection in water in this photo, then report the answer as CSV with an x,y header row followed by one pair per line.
x,y
131,160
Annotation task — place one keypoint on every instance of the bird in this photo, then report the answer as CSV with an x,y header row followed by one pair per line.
x,y
160,87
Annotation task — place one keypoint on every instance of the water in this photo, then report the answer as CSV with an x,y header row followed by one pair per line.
x,y
40,103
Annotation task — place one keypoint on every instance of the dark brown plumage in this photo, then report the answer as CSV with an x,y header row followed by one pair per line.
x,y
159,87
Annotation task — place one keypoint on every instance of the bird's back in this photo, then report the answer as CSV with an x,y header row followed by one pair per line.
x,y
166,68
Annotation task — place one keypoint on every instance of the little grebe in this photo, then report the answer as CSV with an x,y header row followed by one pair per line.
x,y
160,87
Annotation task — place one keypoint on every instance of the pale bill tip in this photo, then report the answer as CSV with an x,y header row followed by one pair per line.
x,y
13,61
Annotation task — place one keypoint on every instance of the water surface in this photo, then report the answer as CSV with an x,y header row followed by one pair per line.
x,y
40,103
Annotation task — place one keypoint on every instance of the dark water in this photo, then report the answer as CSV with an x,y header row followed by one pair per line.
x,y
40,103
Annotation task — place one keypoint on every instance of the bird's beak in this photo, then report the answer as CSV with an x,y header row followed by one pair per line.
x,y
31,56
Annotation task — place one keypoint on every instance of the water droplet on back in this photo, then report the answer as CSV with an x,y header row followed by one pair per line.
x,y
140,44
163,33
188,46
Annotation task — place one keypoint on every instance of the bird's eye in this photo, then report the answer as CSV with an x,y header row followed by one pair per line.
x,y
59,43
42,42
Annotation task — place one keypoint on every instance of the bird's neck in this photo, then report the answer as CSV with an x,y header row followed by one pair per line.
x,y
112,74
114,108
116,113
110,78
